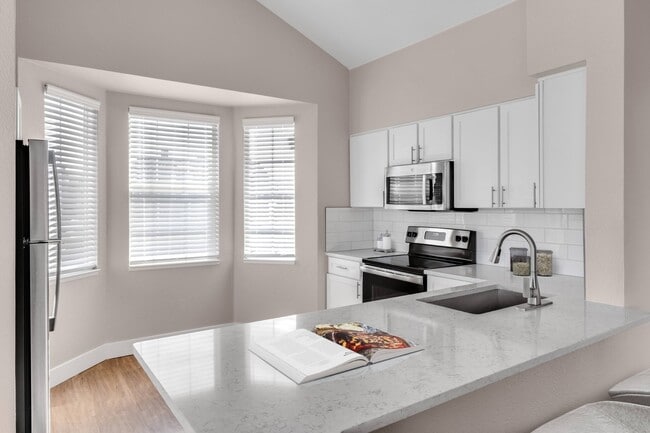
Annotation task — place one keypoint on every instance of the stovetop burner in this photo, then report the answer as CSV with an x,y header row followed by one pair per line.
x,y
431,248
411,264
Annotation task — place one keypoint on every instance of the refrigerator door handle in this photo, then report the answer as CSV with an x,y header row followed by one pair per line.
x,y
57,201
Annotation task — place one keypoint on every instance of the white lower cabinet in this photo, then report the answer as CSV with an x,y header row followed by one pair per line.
x,y
343,282
342,291
439,283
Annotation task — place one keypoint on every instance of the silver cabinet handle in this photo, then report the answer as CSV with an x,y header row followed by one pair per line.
x,y
57,201
534,194
493,202
358,290
424,141
412,154
343,268
420,153
503,193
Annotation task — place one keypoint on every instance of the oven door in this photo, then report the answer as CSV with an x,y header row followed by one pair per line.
x,y
381,283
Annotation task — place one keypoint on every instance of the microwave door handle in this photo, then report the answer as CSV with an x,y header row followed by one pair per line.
x,y
424,189
430,190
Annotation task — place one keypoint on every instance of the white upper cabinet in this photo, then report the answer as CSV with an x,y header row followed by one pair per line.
x,y
368,160
519,146
562,139
435,139
476,158
403,145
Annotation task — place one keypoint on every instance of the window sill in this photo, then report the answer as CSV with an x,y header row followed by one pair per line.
x,y
171,265
271,261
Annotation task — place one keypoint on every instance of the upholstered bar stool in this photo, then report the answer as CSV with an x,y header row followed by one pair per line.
x,y
601,417
635,389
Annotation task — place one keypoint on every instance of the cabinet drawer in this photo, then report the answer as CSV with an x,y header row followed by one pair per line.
x,y
344,268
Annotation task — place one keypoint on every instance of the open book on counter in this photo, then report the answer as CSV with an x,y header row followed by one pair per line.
x,y
305,355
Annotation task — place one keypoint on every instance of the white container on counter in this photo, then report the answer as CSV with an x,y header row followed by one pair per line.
x,y
386,243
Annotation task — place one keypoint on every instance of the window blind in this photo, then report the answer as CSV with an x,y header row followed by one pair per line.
x,y
71,130
269,189
173,187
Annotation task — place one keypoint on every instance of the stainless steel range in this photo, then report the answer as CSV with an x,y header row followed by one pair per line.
x,y
429,248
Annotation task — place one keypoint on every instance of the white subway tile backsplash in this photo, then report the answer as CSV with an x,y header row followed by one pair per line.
x,y
554,236
534,220
576,252
569,267
575,222
558,230
574,237
348,228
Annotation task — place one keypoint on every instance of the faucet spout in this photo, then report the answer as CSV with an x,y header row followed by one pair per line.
x,y
534,296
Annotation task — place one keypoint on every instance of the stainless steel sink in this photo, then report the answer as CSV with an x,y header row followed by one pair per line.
x,y
479,302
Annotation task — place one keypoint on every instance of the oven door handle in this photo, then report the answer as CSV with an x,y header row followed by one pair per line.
x,y
409,278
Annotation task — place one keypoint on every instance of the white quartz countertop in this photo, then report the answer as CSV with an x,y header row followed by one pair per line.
x,y
358,255
213,383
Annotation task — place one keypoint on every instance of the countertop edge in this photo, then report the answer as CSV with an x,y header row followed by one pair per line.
x,y
185,424
414,409
355,255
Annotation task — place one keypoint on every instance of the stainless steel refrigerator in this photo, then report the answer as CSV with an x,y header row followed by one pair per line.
x,y
37,187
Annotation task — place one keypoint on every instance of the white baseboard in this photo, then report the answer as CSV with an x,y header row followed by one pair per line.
x,y
116,349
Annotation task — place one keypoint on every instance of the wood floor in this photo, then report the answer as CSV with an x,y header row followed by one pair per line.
x,y
115,396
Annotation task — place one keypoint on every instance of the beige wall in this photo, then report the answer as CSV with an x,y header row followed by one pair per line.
x,y
526,400
478,63
272,290
80,326
7,214
153,301
561,33
223,44
116,303
495,58
637,152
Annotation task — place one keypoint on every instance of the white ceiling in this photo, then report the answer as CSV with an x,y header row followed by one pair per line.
x,y
153,87
356,32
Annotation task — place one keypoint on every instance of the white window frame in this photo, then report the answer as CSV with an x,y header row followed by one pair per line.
x,y
288,214
76,117
194,122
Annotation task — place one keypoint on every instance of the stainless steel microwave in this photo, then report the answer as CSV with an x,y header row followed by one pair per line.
x,y
426,186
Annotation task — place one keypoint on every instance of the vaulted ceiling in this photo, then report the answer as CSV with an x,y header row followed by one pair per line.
x,y
356,32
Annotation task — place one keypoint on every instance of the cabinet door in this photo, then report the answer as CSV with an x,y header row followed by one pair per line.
x,y
342,291
476,158
563,128
435,139
519,147
368,157
403,145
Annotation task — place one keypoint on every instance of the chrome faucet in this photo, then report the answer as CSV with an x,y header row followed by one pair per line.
x,y
532,293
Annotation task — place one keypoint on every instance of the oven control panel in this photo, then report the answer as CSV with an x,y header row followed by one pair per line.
x,y
452,238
